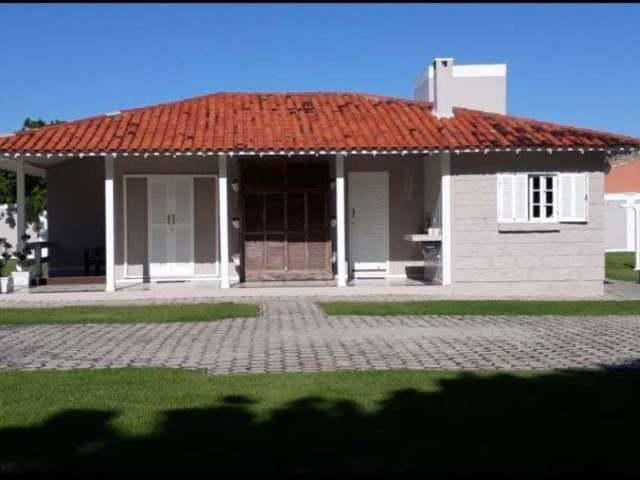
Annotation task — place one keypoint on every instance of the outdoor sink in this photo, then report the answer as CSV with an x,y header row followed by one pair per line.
x,y
422,237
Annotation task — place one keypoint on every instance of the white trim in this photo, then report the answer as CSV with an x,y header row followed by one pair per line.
x,y
125,227
110,277
362,271
425,151
223,209
340,221
21,220
478,70
447,230
622,196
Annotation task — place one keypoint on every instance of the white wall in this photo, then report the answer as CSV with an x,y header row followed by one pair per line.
x,y
8,226
620,223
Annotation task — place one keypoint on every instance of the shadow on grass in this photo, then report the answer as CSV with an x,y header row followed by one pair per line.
x,y
570,422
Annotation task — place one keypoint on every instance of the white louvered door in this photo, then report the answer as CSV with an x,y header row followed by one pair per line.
x,y
170,226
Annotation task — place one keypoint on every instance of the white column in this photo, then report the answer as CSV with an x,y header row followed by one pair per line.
x,y
340,220
447,230
109,224
20,201
223,209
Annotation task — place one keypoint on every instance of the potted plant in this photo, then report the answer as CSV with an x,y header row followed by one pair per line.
x,y
6,283
23,274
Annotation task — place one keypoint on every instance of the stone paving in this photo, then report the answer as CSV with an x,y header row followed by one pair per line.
x,y
296,336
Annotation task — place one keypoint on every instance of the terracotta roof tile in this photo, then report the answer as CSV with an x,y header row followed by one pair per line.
x,y
300,121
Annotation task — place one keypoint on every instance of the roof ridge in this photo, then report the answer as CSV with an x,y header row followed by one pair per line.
x,y
220,93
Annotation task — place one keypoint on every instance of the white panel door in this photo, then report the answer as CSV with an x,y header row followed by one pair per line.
x,y
182,226
368,215
170,226
159,215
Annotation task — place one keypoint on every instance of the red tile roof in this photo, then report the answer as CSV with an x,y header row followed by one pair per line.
x,y
300,121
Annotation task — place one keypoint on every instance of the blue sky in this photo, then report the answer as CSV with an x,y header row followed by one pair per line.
x,y
573,64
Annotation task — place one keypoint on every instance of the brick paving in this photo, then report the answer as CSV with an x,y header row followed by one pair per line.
x,y
295,336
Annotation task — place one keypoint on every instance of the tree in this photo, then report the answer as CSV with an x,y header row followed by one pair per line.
x,y
35,187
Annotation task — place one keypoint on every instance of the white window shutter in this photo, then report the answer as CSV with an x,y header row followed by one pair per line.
x,y
581,195
521,198
505,197
573,197
512,198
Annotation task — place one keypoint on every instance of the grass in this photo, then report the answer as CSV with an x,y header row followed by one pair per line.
x,y
134,420
127,314
619,266
484,307
9,266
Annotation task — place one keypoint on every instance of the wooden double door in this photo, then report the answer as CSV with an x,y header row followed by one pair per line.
x,y
286,219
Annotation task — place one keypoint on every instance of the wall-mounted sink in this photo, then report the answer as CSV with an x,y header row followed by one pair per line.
x,y
422,237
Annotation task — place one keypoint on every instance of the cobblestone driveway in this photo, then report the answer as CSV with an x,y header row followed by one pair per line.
x,y
296,336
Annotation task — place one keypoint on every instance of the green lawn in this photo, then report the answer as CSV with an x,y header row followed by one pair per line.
x,y
362,422
484,307
9,266
619,266
127,314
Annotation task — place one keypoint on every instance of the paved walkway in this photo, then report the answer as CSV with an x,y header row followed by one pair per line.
x,y
296,336
208,292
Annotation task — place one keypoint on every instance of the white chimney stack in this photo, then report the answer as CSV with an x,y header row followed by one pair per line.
x,y
443,87
478,87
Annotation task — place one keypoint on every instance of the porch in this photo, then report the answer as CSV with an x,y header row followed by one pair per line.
x,y
247,221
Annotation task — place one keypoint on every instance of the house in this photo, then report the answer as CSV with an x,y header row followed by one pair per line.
x,y
37,231
621,187
242,187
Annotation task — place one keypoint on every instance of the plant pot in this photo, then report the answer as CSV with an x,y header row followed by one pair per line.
x,y
22,279
6,284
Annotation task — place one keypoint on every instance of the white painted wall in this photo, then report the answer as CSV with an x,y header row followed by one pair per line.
x,y
8,226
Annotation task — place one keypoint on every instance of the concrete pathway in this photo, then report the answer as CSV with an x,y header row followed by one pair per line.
x,y
296,336
207,292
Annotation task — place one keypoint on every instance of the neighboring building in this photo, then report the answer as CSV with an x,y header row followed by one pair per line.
x,y
9,231
622,187
288,186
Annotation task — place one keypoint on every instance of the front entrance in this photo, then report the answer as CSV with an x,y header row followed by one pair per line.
x,y
286,226
368,215
170,200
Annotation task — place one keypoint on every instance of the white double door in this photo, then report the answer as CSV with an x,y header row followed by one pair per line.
x,y
171,242
369,224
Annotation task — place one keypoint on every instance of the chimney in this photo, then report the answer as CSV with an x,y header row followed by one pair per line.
x,y
478,87
443,87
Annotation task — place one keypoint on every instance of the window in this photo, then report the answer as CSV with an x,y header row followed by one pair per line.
x,y
542,197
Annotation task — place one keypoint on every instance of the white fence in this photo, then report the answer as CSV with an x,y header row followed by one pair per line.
x,y
620,224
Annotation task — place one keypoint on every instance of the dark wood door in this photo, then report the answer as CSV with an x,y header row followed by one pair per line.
x,y
286,226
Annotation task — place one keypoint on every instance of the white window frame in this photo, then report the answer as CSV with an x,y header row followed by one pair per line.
x,y
530,205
